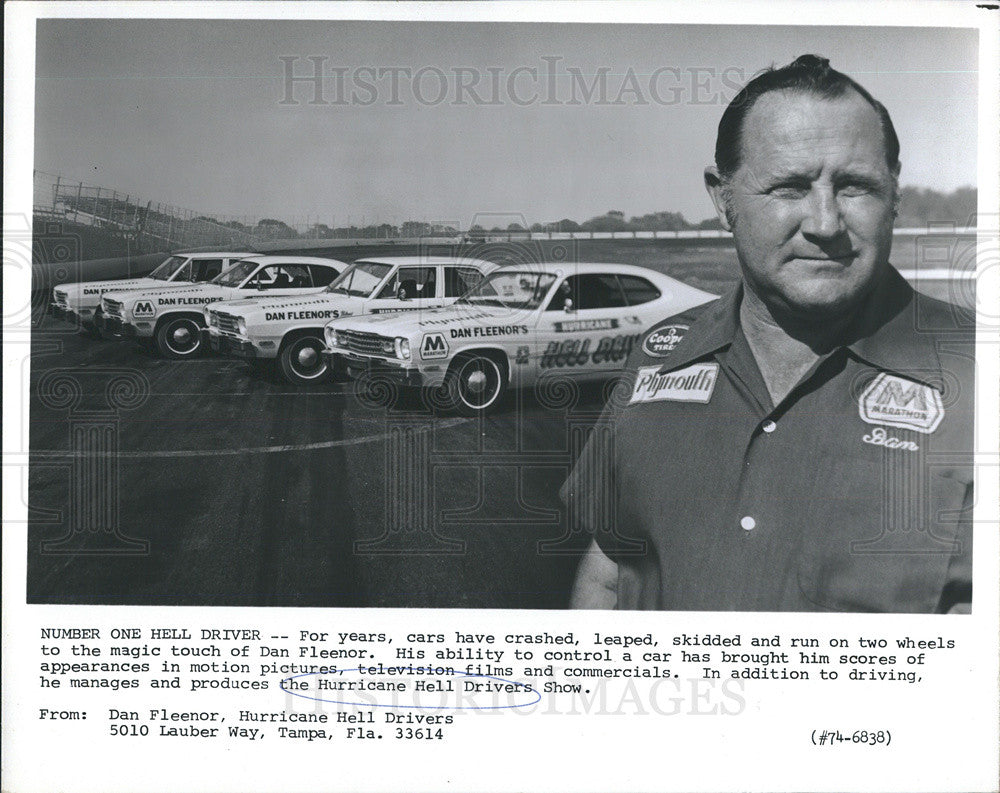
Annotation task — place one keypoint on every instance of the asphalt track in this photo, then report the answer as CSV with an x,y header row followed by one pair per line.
x,y
208,482
247,491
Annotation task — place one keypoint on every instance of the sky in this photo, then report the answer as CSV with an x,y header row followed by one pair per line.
x,y
198,113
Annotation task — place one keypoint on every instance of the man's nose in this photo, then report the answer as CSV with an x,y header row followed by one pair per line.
x,y
823,219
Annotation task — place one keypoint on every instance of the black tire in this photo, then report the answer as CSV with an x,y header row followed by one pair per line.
x,y
301,360
179,337
476,383
94,330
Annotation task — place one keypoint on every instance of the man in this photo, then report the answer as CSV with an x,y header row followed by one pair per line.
x,y
804,442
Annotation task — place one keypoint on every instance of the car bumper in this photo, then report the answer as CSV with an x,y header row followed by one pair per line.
x,y
57,311
110,324
356,367
224,345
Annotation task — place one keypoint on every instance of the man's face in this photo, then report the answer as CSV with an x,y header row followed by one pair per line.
x,y
811,205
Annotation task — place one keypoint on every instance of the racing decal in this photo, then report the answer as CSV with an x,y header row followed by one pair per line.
x,y
693,383
433,346
279,316
577,352
898,402
395,310
489,330
660,342
97,290
579,325
522,355
185,301
449,320
143,309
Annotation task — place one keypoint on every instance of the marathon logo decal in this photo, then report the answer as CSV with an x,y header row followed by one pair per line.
x,y
143,309
433,346
693,383
660,342
897,402
581,325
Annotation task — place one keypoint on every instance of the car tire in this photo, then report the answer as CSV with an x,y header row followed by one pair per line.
x,y
476,383
301,360
179,337
95,331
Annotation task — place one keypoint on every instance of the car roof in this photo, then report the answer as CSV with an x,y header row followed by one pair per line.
x,y
278,259
583,268
429,261
208,254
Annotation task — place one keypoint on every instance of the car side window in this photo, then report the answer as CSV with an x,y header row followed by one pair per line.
x,y
588,291
322,276
297,275
459,280
206,269
419,282
638,290
266,278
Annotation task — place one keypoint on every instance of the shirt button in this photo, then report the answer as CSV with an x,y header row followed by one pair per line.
x,y
747,523
769,426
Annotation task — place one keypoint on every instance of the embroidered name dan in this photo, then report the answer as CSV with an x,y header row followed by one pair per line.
x,y
694,383
898,402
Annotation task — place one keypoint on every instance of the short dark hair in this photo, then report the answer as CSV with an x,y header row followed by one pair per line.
x,y
809,74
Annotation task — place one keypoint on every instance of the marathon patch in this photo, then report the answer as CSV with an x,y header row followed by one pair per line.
x,y
579,325
693,383
660,342
897,402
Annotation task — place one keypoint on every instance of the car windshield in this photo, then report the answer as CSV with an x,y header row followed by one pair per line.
x,y
512,289
168,268
360,279
236,274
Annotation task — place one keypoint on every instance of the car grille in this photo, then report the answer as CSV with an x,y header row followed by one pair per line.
x,y
362,343
112,308
60,298
227,323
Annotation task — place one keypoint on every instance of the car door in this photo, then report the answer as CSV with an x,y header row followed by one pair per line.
x,y
586,329
408,289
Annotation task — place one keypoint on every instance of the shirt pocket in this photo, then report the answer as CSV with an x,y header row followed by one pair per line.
x,y
888,549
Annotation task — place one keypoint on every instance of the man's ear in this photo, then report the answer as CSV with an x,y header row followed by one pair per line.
x,y
718,194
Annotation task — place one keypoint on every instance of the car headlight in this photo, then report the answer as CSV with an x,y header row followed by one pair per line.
x,y
208,315
402,348
241,326
331,337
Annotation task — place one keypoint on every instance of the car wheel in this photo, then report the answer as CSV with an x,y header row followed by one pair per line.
x,y
475,384
179,338
302,362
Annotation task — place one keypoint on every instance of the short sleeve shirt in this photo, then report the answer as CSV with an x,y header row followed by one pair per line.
x,y
854,494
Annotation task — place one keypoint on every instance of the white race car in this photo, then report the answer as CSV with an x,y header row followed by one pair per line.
x,y
175,317
290,329
520,323
81,302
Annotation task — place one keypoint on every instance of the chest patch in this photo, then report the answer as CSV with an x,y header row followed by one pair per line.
x,y
659,343
897,402
693,383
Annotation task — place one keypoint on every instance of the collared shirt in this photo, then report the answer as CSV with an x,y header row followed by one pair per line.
x,y
853,494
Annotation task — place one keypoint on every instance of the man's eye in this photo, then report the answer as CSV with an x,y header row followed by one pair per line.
x,y
855,189
789,191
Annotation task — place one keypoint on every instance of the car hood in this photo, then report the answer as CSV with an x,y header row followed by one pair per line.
x,y
189,290
118,285
252,306
414,323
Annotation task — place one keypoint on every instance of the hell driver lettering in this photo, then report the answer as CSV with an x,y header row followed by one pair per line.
x,y
897,402
693,383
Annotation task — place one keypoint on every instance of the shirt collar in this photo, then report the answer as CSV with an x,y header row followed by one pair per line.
x,y
714,329
887,334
